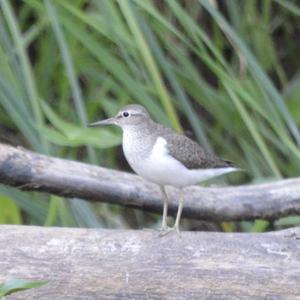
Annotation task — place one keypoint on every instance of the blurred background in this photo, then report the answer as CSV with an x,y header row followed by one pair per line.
x,y
226,73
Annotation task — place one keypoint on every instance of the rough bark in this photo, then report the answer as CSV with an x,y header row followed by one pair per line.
x,y
117,264
30,171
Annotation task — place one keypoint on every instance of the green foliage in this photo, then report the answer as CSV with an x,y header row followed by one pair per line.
x,y
9,211
67,134
226,70
17,285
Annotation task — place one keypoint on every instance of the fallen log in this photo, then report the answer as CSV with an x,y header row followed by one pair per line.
x,y
35,172
126,264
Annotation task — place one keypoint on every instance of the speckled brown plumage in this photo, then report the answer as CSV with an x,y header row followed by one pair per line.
x,y
188,152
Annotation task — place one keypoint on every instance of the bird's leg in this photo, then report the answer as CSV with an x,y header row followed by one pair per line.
x,y
164,225
179,211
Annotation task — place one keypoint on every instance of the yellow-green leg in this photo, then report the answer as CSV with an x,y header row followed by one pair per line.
x,y
179,211
164,225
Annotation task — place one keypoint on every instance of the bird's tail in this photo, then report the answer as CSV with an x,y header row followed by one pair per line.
x,y
205,174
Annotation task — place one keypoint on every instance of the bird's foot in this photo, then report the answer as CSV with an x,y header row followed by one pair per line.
x,y
164,230
176,227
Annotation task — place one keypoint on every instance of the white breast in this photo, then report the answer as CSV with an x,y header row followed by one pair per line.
x,y
158,166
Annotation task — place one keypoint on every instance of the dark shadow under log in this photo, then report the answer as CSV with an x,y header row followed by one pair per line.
x,y
117,264
31,171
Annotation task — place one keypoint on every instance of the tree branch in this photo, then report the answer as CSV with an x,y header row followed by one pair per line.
x,y
30,171
118,264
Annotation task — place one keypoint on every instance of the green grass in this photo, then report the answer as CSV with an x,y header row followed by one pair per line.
x,y
227,73
18,285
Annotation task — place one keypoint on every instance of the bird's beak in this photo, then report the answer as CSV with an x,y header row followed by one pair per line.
x,y
109,121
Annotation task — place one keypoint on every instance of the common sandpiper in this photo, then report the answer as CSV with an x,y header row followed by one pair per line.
x,y
162,156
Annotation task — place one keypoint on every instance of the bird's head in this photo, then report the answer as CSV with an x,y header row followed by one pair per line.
x,y
128,116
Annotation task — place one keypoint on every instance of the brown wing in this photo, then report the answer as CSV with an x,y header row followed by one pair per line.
x,y
191,154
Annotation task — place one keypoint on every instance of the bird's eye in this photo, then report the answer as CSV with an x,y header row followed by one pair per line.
x,y
125,114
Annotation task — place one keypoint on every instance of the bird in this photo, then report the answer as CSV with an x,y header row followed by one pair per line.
x,y
163,156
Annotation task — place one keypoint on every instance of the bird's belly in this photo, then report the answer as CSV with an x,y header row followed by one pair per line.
x,y
166,171
174,173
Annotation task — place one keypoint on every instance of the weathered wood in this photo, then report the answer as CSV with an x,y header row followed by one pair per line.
x,y
30,171
118,264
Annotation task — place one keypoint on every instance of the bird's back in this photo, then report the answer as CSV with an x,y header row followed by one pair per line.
x,y
188,152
